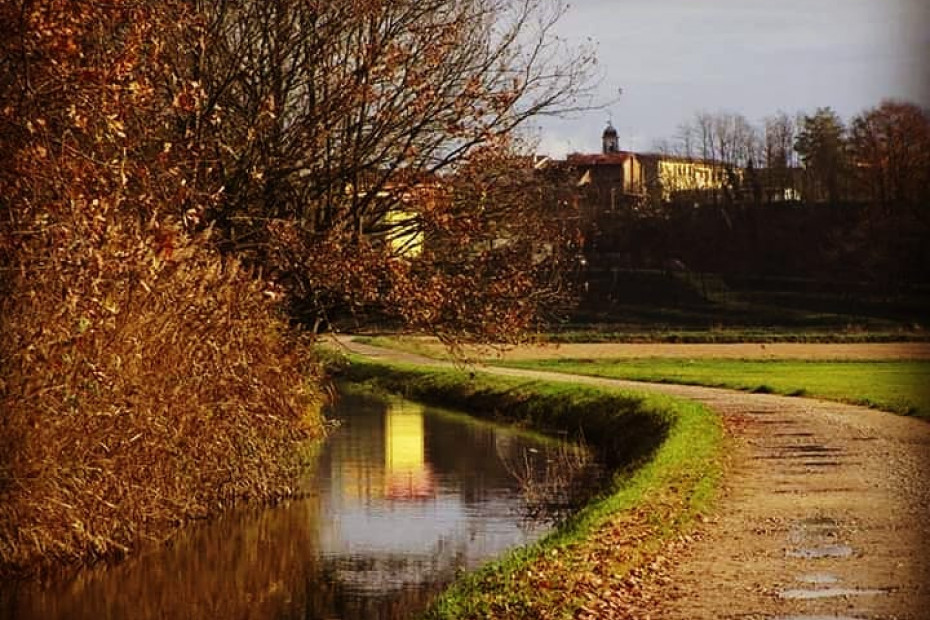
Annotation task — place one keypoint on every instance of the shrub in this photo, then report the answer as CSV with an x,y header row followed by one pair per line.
x,y
144,379
139,393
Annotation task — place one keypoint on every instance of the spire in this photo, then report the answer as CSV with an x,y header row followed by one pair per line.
x,y
610,142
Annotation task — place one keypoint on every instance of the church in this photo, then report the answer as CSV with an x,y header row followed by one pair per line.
x,y
618,178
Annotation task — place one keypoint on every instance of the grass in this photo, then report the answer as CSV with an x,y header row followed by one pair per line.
x,y
897,386
619,334
666,480
726,335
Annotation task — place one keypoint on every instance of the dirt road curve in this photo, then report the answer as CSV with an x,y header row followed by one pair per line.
x,y
825,515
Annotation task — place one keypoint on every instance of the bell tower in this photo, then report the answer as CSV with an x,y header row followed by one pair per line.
x,y
610,142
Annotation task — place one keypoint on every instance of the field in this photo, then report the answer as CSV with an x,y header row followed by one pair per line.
x,y
898,386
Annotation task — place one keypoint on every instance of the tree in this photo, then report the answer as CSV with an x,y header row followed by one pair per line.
x,y
779,156
821,145
779,141
890,147
145,380
725,138
317,113
890,153
142,365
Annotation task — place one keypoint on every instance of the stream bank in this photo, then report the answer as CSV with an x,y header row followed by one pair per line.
x,y
669,467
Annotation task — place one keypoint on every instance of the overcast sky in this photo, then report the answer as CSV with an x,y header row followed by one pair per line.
x,y
673,58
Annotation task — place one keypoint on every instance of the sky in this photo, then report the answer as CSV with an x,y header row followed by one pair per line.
x,y
675,58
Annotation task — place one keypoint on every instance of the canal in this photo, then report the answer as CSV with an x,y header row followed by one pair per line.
x,y
398,501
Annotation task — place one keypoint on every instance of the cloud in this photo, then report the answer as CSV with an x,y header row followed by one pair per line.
x,y
755,57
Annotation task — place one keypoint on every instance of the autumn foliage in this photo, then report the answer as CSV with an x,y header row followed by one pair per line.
x,y
339,130
145,380
171,172
476,256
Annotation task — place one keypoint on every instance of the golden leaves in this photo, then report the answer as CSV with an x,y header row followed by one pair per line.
x,y
115,312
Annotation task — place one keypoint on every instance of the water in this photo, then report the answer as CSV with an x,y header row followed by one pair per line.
x,y
808,595
400,500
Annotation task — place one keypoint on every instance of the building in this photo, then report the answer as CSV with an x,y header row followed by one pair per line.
x,y
612,178
615,178
690,181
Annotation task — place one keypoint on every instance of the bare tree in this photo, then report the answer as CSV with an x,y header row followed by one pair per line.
x,y
778,156
318,115
704,133
780,133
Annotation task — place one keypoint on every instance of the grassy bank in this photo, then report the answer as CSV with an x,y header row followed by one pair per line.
x,y
896,386
667,452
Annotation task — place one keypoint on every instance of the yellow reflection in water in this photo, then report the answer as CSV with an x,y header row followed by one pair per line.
x,y
359,480
406,470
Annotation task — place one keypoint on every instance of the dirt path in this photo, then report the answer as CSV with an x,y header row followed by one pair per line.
x,y
825,514
774,351
754,351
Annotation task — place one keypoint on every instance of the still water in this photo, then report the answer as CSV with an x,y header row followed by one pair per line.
x,y
399,500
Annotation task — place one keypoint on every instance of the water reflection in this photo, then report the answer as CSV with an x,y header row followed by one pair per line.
x,y
400,499
408,474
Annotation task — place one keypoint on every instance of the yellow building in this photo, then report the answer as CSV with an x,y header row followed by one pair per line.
x,y
669,178
616,178
394,218
403,233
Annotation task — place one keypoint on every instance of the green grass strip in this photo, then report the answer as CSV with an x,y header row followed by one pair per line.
x,y
672,470
733,335
901,387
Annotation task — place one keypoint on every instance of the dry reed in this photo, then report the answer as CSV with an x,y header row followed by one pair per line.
x,y
141,387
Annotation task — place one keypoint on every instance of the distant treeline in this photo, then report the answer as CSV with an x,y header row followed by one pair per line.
x,y
880,156
853,202
844,242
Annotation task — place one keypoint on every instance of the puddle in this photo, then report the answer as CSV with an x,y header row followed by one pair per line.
x,y
817,618
809,491
819,522
809,595
828,551
818,579
813,448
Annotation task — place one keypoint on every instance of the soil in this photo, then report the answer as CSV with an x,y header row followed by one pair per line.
x,y
824,514
777,350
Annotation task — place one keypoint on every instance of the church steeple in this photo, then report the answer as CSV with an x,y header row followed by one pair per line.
x,y
610,142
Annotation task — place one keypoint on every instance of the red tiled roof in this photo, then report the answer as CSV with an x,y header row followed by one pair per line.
x,y
598,159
